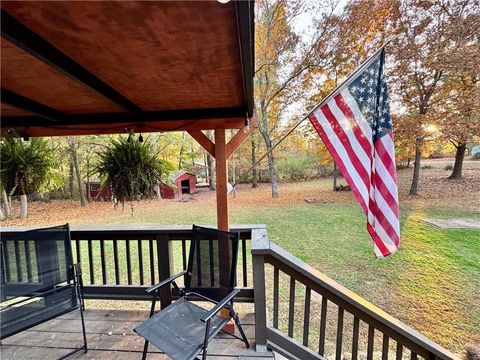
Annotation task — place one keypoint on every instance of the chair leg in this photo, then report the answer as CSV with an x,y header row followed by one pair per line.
x,y
83,328
145,350
207,336
240,329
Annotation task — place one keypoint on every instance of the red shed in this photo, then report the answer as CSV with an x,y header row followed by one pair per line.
x,y
98,192
166,192
186,183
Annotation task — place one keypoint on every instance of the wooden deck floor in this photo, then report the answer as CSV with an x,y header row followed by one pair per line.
x,y
110,336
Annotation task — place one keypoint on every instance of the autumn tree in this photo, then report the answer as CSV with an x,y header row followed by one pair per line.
x,y
282,58
420,53
460,110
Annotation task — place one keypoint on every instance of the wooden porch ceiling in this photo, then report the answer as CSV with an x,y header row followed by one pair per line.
x,y
73,68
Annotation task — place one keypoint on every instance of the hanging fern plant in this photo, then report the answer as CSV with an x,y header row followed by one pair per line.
x,y
132,168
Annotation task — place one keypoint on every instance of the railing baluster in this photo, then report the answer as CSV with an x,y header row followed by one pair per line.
x,y
244,262
212,267
184,254
6,254
102,258
140,261
115,262
306,316
399,354
356,329
385,347
18,261
129,262
371,333
152,262
338,349
90,262
323,326
77,248
199,266
26,243
275,297
291,308
413,356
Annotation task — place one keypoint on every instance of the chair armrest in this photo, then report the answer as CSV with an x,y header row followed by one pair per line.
x,y
166,281
219,305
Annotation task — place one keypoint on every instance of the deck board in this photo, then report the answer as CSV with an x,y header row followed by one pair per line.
x,y
110,336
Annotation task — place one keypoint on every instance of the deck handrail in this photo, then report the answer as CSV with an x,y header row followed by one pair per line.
x,y
265,252
120,262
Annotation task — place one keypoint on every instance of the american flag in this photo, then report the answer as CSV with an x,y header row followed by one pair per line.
x,y
354,123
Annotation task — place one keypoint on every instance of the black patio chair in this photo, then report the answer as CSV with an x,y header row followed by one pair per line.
x,y
183,329
39,280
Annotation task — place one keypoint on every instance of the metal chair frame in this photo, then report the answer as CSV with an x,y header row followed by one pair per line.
x,y
225,303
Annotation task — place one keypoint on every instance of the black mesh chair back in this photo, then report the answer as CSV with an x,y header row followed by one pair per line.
x,y
35,260
37,278
212,262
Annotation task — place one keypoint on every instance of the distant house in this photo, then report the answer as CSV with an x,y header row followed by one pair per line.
x,y
186,183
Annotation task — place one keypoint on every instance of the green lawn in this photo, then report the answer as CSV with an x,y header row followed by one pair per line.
x,y
432,283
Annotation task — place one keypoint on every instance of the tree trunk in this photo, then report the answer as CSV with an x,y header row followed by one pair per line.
x,y
205,166
335,173
180,155
88,180
73,154
70,178
7,204
254,168
271,160
211,175
273,175
416,167
234,175
23,207
458,165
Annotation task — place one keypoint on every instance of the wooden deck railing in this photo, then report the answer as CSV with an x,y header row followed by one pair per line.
x,y
341,321
121,262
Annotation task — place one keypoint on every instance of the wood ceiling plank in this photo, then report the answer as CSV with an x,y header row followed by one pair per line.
x,y
29,77
154,53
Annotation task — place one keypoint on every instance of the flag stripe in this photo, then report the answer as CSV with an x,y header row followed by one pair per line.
x,y
339,162
354,120
342,136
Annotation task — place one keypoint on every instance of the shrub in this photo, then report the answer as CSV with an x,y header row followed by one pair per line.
x,y
28,166
476,156
449,167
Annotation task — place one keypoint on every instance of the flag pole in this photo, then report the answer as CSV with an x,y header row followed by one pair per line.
x,y
365,64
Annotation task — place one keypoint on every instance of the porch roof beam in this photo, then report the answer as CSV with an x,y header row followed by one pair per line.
x,y
28,40
21,102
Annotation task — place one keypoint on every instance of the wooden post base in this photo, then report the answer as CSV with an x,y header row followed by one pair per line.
x,y
230,325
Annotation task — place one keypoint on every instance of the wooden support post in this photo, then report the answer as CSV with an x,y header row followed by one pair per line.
x,y
222,179
165,267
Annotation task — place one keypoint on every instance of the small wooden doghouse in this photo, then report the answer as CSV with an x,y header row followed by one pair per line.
x,y
186,183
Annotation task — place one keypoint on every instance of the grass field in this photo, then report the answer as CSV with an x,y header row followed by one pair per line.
x,y
432,283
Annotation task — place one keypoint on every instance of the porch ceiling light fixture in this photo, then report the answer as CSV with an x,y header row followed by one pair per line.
x,y
223,1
